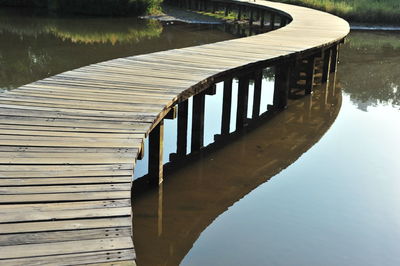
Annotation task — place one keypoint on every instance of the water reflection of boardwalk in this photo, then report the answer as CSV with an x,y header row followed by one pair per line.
x,y
69,142
171,219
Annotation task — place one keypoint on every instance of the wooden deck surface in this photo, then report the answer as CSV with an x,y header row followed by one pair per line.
x,y
68,143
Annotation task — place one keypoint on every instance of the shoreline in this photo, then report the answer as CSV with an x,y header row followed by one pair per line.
x,y
172,14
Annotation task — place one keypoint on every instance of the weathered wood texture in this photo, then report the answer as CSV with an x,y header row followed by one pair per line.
x,y
68,143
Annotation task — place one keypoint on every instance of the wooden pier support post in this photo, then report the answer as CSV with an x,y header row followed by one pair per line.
x,y
281,87
156,141
242,103
198,121
272,21
239,15
326,68
262,17
214,7
282,22
226,107
181,143
227,6
257,94
251,18
334,58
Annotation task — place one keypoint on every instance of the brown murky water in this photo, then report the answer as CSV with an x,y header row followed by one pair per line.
x,y
315,185
34,46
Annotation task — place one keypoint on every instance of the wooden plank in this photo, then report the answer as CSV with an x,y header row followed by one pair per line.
x,y
65,225
118,257
66,247
58,197
4,182
64,214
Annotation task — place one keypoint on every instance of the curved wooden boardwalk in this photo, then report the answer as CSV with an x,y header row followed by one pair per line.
x,y
68,143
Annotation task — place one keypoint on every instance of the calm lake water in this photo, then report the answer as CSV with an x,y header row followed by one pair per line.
x,y
318,184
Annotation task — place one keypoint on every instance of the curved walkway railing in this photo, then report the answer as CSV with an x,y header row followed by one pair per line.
x,y
68,143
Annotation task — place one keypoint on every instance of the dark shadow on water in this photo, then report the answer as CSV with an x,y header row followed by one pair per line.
x,y
169,219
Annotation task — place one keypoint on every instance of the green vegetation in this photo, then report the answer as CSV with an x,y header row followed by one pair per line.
x,y
91,7
365,11
220,14
378,81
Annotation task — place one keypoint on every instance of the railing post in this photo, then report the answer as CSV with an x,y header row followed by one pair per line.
x,y
198,121
226,107
156,141
257,94
242,103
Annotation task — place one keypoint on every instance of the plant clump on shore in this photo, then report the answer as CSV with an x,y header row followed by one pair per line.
x,y
90,7
364,11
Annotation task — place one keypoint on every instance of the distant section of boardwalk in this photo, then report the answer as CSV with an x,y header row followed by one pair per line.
x,y
69,143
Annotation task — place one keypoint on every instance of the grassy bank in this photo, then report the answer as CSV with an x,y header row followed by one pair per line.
x,y
364,11
90,7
